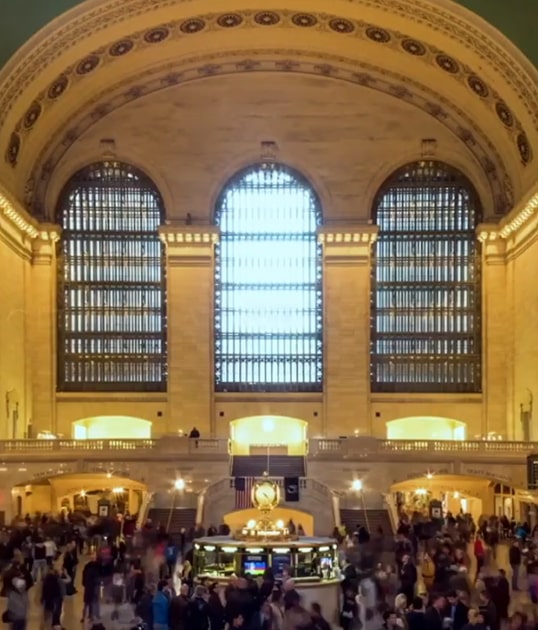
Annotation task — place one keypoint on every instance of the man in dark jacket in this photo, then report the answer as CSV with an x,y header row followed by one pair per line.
x,y
457,611
434,614
178,609
198,610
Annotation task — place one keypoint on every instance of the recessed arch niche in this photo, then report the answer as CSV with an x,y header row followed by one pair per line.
x,y
426,428
111,427
276,434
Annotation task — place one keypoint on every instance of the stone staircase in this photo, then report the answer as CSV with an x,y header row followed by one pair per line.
x,y
372,519
178,517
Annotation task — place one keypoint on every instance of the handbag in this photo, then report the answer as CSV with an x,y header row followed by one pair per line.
x,y
6,617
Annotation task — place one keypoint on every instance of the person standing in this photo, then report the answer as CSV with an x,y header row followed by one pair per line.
x,y
161,607
514,556
17,604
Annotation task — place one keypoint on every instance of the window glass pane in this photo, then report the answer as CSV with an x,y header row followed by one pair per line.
x,y
111,290
268,298
426,283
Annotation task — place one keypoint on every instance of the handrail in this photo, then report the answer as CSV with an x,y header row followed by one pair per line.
x,y
317,447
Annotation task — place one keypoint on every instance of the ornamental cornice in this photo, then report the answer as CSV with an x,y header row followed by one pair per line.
x,y
347,236
453,21
189,236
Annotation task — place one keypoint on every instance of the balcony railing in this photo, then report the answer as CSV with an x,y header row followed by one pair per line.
x,y
328,448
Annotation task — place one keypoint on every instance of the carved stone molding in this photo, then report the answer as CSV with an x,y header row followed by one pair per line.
x,y
188,236
284,60
421,53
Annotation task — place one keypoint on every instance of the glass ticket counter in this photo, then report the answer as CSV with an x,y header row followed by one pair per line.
x,y
305,559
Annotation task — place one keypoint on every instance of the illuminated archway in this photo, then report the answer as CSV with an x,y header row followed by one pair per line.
x,y
111,427
281,433
426,428
237,520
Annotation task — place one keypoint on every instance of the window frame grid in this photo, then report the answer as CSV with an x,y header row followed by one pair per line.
x,y
426,371
134,192
254,340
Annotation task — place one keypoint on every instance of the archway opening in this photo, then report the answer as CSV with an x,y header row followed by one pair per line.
x,y
426,428
111,427
90,494
256,435
236,520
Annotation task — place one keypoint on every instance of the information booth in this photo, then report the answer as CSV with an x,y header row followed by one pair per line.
x,y
263,545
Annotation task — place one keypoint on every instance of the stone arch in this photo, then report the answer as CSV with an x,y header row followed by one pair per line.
x,y
111,427
268,432
426,428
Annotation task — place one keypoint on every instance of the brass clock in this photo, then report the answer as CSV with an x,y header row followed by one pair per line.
x,y
265,495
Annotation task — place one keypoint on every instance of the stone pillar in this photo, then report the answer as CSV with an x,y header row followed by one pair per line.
x,y
495,332
346,265
42,327
190,277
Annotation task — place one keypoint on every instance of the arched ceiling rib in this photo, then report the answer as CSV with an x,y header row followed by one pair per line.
x,y
416,52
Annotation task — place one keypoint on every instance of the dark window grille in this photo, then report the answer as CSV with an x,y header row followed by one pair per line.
x,y
426,283
268,289
111,282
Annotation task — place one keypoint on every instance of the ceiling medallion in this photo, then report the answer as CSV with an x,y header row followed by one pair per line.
x,y
121,48
58,87
156,35
304,20
524,148
413,47
88,64
13,149
478,86
267,18
195,25
229,20
340,25
447,64
504,114
31,116
378,35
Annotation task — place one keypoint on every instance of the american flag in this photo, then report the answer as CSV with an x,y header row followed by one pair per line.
x,y
243,492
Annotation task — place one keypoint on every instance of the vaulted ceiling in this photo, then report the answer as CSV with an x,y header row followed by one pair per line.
x,y
185,89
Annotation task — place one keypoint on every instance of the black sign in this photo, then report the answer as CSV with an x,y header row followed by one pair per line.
x,y
291,489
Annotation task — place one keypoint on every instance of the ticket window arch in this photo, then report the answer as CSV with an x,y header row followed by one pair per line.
x,y
503,499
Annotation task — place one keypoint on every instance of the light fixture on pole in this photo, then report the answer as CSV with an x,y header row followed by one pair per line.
x,y
179,486
358,487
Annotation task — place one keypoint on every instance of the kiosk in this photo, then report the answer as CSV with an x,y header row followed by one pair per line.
x,y
264,545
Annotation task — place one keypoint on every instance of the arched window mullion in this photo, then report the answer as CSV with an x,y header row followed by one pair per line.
x,y
111,289
268,289
426,283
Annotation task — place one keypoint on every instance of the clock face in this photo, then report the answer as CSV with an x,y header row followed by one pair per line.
x,y
265,495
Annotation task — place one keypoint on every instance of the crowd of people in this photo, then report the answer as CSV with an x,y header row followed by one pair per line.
x,y
439,575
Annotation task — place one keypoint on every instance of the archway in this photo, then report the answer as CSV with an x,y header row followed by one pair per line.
x,y
84,492
426,428
111,427
237,520
257,435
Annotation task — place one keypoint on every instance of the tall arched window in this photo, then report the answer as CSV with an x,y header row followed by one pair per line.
x,y
112,284
268,290
426,332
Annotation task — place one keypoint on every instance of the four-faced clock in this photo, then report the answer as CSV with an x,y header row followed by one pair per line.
x,y
265,495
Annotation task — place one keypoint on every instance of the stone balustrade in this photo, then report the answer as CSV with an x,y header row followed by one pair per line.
x,y
325,448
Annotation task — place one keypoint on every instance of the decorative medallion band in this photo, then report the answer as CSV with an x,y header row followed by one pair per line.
x,y
419,51
367,75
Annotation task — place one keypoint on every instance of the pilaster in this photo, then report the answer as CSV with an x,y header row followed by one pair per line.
x,y
42,325
346,257
495,331
190,264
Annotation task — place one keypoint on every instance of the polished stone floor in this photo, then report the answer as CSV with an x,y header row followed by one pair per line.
x,y
73,605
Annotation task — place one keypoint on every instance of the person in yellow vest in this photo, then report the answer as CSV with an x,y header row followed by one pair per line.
x,y
427,569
